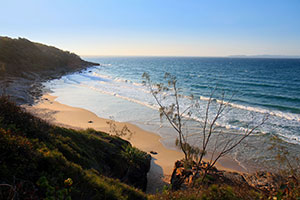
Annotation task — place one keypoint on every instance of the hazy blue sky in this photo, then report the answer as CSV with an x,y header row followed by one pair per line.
x,y
157,27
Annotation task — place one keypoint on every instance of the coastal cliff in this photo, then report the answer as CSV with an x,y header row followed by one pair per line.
x,y
25,64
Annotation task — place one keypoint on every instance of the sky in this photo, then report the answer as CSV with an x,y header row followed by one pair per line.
x,y
157,27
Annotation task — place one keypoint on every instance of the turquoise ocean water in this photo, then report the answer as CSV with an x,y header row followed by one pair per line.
x,y
259,87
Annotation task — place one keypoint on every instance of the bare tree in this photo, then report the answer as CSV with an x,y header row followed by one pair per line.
x,y
177,117
171,112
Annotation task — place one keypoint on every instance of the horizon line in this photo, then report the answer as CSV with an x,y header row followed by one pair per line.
x,y
191,56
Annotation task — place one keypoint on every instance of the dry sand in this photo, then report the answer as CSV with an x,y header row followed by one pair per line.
x,y
162,163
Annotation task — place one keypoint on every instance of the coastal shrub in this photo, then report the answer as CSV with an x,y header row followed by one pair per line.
x,y
133,154
39,161
17,119
213,192
52,192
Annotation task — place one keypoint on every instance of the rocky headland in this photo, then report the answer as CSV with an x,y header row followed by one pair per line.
x,y
25,64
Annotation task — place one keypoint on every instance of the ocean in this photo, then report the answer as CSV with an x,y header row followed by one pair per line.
x,y
256,87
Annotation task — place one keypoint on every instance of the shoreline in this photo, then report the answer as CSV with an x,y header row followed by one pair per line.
x,y
162,163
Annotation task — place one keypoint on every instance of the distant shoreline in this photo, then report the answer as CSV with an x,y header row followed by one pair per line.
x,y
265,56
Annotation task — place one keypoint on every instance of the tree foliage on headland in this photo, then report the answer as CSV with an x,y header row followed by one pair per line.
x,y
21,55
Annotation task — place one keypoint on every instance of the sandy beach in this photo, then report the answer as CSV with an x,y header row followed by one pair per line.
x,y
162,163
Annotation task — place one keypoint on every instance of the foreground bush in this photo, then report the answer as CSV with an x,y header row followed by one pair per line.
x,y
39,160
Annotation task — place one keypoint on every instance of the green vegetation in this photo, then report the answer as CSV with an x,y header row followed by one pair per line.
x,y
21,55
213,192
39,160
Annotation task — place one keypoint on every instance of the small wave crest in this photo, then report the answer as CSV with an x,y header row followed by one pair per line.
x,y
105,65
289,116
139,94
122,97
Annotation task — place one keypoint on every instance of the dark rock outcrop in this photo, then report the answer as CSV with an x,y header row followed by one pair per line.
x,y
263,181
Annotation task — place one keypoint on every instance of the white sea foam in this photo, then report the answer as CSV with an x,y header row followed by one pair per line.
x,y
101,75
294,139
289,116
155,107
138,93
105,65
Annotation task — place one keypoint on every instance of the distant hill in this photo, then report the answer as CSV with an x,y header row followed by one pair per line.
x,y
21,55
264,56
25,65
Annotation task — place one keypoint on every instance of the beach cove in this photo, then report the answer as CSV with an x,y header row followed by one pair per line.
x,y
115,90
150,100
163,159
67,130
